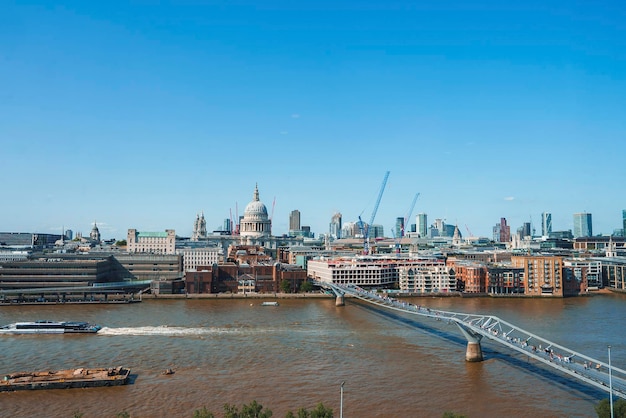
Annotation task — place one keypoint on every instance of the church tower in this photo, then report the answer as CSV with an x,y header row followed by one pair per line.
x,y
94,235
199,228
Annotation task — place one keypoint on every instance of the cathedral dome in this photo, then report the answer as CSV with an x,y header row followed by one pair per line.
x,y
255,222
256,208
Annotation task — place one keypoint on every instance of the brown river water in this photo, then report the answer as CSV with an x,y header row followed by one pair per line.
x,y
297,354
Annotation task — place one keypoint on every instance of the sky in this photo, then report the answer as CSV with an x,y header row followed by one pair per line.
x,y
143,114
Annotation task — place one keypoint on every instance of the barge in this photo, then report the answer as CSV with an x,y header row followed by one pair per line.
x,y
65,379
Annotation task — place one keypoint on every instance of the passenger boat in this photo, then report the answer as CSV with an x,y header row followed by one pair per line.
x,y
269,303
50,327
65,379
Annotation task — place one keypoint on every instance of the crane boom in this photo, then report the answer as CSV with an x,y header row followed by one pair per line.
x,y
409,213
366,238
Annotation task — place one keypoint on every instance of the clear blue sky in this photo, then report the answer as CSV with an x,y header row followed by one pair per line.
x,y
142,115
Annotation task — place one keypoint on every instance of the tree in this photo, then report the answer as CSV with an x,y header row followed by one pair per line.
x,y
320,411
285,286
448,414
306,286
254,410
121,243
603,408
203,413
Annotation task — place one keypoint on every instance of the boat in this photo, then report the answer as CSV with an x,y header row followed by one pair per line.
x,y
269,303
50,327
65,379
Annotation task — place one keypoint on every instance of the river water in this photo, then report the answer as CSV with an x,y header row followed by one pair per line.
x,y
297,354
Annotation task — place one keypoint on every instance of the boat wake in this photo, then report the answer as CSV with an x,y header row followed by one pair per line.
x,y
168,331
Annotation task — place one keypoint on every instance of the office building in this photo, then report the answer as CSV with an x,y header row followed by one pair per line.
x,y
399,230
294,220
582,225
422,224
151,242
502,231
546,224
335,226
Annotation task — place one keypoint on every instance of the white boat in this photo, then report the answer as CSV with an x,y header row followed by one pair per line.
x,y
50,327
269,304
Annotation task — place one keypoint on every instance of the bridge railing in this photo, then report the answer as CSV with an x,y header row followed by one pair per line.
x,y
580,366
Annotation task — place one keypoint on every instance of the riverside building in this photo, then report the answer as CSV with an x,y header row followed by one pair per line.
x,y
412,276
151,242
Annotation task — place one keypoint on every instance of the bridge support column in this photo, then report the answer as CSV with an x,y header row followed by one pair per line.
x,y
474,352
339,300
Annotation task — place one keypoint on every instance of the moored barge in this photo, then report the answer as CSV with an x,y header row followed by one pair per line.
x,y
65,379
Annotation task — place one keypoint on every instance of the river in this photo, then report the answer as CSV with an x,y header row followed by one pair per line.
x,y
297,354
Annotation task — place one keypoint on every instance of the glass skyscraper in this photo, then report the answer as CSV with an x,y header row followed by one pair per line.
x,y
582,225
546,224
422,225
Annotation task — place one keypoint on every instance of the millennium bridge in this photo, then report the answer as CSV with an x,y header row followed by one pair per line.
x,y
476,327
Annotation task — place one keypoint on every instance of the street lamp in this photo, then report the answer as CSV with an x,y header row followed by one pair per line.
x,y
610,384
341,400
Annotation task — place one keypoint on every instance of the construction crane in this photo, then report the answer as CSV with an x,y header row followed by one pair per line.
x,y
407,217
366,233
468,231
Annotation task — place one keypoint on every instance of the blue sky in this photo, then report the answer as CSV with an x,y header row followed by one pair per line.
x,y
141,115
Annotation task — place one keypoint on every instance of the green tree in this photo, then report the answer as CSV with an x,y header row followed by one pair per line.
x,y
254,410
321,411
121,243
203,413
603,408
306,286
285,286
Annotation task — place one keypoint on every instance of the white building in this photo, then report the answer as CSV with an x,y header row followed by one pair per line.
x,y
198,257
151,242
359,271
416,276
425,276
255,223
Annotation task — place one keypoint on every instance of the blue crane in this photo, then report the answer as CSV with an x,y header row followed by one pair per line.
x,y
366,230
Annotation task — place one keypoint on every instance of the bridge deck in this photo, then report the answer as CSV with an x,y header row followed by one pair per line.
x,y
577,365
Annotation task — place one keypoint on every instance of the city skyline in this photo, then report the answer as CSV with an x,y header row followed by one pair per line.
x,y
142,116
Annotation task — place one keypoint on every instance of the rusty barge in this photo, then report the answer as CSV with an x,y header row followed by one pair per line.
x,y
65,379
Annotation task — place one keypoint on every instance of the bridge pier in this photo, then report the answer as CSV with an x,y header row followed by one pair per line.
x,y
339,300
474,352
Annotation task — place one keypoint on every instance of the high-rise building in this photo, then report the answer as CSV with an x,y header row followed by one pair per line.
x,y
624,222
69,234
546,224
399,230
227,226
335,226
502,231
294,220
525,230
582,225
422,224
